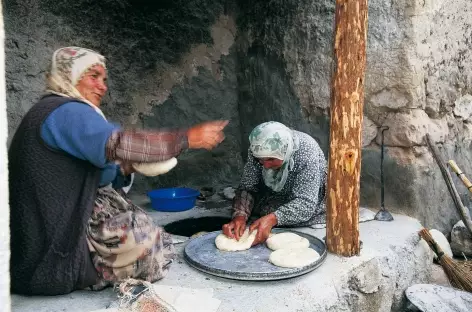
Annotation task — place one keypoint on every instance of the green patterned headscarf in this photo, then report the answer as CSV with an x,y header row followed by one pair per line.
x,y
274,140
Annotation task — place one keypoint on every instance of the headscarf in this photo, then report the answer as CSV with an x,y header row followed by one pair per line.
x,y
68,67
274,140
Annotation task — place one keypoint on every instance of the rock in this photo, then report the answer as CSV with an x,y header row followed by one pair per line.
x,y
366,278
365,215
439,277
369,284
461,240
463,107
410,128
369,131
390,98
442,241
435,298
228,193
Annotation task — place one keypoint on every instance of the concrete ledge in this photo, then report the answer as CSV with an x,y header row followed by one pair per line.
x,y
391,260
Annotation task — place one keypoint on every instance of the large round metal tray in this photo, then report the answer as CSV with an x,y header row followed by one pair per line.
x,y
251,265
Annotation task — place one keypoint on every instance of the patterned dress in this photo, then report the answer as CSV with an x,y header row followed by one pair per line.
x,y
301,201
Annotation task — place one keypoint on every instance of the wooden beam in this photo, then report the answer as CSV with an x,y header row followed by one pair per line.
x,y
347,102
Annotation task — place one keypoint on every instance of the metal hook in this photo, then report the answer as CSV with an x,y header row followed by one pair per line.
x,y
382,214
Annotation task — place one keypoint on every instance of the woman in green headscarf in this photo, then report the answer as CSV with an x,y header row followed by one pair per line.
x,y
283,182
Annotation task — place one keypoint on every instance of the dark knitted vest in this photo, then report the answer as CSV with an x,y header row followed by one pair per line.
x,y
51,199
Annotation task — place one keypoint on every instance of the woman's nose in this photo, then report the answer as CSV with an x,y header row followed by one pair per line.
x,y
102,86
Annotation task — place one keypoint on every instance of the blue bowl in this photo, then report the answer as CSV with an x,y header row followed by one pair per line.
x,y
173,199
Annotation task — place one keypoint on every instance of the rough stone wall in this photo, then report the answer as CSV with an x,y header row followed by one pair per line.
x,y
5,304
429,92
285,64
418,81
170,64
174,64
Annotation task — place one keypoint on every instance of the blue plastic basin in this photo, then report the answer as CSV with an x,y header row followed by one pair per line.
x,y
173,199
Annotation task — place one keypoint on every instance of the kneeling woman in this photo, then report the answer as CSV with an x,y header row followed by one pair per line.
x,y
283,182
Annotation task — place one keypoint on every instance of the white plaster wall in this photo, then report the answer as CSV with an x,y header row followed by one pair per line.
x,y
4,207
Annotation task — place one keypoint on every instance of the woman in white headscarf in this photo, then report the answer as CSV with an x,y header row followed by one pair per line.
x,y
283,182
70,228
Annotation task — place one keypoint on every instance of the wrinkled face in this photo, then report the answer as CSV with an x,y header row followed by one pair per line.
x,y
93,85
271,163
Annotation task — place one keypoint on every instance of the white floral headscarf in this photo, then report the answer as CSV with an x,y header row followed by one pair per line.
x,y
274,140
68,66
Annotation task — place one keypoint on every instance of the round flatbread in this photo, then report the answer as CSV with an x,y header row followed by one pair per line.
x,y
287,240
155,169
293,257
225,243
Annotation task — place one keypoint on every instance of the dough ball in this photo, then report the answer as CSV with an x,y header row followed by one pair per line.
x,y
293,257
287,240
155,169
225,243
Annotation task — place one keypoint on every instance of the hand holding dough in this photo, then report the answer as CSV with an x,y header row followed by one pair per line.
x,y
287,240
155,169
225,243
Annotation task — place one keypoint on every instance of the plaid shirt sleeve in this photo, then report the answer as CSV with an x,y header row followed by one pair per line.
x,y
145,146
242,204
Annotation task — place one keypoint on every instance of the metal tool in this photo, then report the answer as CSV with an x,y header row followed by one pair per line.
x,y
383,214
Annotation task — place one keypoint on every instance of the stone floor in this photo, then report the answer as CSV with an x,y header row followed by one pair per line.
x,y
391,260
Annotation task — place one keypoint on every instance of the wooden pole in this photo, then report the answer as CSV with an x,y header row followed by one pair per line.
x,y
347,102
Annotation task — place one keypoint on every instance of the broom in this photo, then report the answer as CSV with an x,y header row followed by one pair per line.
x,y
458,272
461,209
460,174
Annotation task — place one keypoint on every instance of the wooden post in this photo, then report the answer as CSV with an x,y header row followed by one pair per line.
x,y
347,102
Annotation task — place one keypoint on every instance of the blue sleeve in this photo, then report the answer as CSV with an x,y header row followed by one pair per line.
x,y
109,173
112,174
78,130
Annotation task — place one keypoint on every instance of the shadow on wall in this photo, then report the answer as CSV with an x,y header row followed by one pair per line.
x,y
396,179
417,189
202,98
143,40
265,93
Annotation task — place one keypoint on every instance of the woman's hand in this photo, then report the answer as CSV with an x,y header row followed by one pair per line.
x,y
263,226
126,168
237,225
206,135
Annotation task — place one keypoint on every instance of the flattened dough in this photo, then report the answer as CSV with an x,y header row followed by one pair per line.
x,y
225,243
287,240
293,257
155,169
